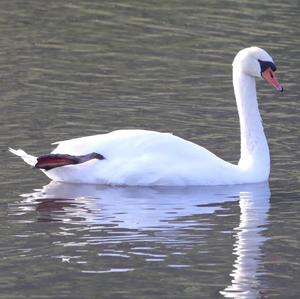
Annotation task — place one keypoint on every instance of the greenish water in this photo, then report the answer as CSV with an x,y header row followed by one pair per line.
x,y
70,69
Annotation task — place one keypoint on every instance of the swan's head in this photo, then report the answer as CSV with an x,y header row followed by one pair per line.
x,y
256,62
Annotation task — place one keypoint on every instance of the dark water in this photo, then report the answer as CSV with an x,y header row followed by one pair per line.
x,y
75,68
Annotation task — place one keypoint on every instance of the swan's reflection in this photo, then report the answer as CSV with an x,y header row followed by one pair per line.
x,y
254,208
164,208
127,207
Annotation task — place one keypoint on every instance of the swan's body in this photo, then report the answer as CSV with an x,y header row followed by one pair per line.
x,y
139,157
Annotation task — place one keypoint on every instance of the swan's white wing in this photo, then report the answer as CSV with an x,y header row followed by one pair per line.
x,y
138,157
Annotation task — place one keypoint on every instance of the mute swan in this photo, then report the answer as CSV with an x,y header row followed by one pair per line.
x,y
145,158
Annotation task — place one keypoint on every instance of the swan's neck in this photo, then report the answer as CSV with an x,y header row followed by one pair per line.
x,y
255,158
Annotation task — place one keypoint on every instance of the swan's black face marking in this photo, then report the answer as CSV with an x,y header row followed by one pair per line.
x,y
265,65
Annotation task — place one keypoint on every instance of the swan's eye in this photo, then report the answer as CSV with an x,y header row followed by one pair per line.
x,y
264,65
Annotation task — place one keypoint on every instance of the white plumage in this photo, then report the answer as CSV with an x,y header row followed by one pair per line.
x,y
138,157
29,159
145,158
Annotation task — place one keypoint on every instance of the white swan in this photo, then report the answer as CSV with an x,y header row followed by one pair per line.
x,y
145,158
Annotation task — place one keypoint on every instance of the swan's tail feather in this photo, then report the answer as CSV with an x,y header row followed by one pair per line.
x,y
29,159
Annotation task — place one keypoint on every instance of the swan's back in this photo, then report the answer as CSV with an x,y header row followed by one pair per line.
x,y
139,157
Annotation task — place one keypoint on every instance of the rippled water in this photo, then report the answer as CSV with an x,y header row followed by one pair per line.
x,y
77,68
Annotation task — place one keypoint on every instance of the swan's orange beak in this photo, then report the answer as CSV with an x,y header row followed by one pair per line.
x,y
269,75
